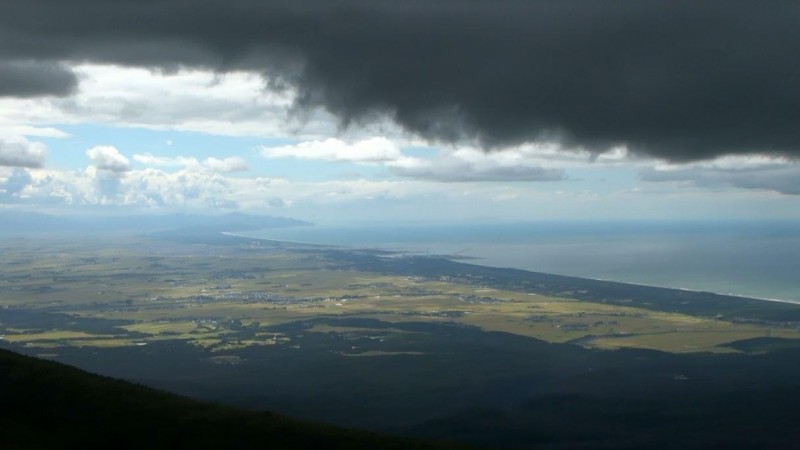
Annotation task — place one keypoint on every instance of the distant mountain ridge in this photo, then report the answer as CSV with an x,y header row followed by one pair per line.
x,y
15,222
48,405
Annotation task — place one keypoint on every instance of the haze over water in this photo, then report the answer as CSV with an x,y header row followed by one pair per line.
x,y
749,259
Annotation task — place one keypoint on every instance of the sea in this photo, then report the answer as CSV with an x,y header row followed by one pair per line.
x,y
751,259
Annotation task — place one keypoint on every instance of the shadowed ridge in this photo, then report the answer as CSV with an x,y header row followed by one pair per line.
x,y
48,405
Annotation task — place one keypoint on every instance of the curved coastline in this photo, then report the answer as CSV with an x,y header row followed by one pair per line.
x,y
354,248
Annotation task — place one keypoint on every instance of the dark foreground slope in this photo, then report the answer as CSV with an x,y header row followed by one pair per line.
x,y
47,405
499,390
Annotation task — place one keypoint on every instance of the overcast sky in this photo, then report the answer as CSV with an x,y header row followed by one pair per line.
x,y
351,110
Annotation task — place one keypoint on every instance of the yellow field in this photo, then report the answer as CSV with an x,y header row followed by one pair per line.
x,y
202,294
54,335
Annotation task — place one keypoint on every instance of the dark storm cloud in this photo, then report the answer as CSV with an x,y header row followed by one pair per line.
x,y
35,79
676,79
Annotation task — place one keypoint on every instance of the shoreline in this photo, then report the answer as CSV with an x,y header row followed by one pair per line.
x,y
444,256
309,244
727,294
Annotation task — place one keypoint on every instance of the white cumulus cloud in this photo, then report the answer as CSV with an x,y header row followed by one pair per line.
x,y
16,151
449,165
226,165
470,164
366,151
165,161
106,157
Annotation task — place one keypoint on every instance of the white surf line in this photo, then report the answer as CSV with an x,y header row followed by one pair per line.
x,y
699,291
